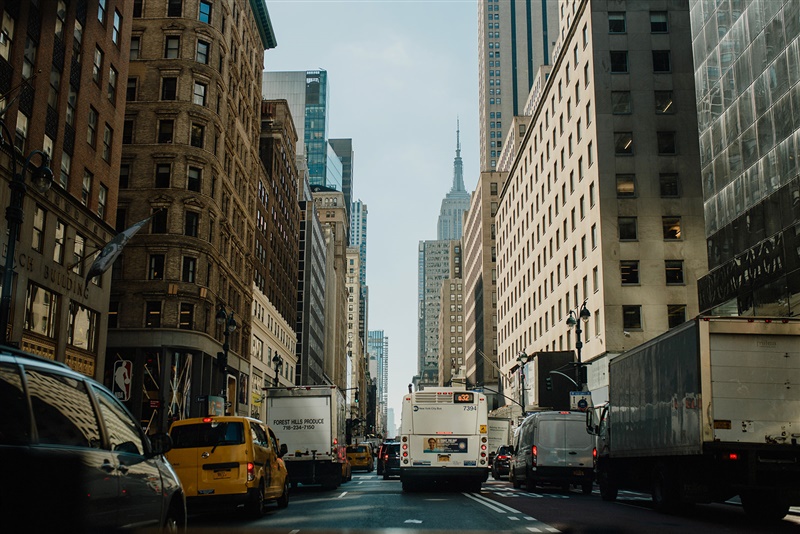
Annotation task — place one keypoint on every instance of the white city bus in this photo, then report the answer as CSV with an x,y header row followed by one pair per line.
x,y
444,438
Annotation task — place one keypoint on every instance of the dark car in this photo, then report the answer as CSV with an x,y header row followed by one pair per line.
x,y
391,460
500,462
381,454
66,435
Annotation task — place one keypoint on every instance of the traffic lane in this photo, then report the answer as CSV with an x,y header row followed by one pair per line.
x,y
632,513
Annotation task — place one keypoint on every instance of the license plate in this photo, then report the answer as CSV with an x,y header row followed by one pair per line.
x,y
578,472
443,457
222,474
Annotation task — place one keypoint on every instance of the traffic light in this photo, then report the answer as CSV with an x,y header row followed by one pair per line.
x,y
222,361
356,395
548,382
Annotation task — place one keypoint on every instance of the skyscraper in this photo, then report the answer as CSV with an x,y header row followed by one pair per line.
x,y
343,148
378,350
456,202
746,57
514,39
358,238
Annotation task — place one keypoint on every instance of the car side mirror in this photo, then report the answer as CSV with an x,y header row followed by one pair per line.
x,y
160,443
283,450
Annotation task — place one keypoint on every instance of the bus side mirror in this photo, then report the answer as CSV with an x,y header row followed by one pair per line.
x,y
590,428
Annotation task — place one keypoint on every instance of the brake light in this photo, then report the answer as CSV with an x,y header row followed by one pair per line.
x,y
483,447
502,457
385,457
251,471
534,452
594,453
732,456
207,419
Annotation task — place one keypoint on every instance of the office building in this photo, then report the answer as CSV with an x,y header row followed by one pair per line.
x,y
343,148
358,238
378,350
455,203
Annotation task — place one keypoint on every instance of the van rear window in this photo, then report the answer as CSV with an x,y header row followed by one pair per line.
x,y
207,435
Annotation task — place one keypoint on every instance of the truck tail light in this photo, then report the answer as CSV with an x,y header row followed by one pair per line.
x,y
594,455
251,471
733,456
534,452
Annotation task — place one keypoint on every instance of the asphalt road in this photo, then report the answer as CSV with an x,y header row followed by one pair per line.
x,y
369,504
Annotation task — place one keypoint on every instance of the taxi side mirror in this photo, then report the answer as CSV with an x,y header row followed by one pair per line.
x,y
283,450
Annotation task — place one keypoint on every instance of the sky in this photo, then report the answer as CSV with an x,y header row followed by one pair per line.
x,y
401,73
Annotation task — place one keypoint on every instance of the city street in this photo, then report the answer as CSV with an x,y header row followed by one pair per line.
x,y
369,503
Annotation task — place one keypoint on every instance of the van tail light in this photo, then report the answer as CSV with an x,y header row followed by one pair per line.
x,y
594,456
251,471
534,452
385,457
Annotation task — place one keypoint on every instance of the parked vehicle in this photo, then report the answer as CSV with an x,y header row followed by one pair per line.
x,y
705,412
391,460
501,459
68,436
229,461
360,457
553,448
311,422
499,434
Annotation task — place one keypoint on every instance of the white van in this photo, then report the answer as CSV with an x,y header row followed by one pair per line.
x,y
553,448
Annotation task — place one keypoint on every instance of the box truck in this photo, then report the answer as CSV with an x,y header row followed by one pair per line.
x,y
310,421
704,412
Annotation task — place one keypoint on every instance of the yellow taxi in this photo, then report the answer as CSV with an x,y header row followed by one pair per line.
x,y
229,461
360,456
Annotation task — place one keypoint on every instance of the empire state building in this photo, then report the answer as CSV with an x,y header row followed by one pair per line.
x,y
456,202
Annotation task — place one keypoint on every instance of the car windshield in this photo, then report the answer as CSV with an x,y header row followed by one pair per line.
x,y
359,448
503,450
207,434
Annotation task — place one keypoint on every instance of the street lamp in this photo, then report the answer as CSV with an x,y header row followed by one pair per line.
x,y
278,361
42,179
572,322
522,358
228,323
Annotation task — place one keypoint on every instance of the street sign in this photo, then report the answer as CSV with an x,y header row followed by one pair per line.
x,y
580,400
123,373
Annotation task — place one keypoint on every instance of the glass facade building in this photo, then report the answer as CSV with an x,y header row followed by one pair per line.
x,y
747,69
316,127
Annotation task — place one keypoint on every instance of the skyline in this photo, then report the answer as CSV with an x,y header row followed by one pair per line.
x,y
392,53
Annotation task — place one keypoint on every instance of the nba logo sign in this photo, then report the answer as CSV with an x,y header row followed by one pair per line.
x,y
123,371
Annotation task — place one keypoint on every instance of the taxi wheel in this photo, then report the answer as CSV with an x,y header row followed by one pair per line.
x,y
256,504
283,500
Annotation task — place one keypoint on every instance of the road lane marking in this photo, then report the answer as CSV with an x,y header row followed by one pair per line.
x,y
295,531
513,518
342,495
413,521
552,529
534,529
486,504
495,503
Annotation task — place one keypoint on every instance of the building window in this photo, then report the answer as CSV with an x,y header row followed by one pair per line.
x,y
66,164
199,94
127,132
113,314
619,61
108,139
77,254
97,66
621,102
191,223
124,175
156,267
41,307
91,128
112,85
674,272
165,128
197,135
676,314
202,52
82,328
189,270
187,316
626,186
101,11
153,314
116,28
205,11
661,61
58,248
55,85
658,22
137,8
669,186
172,47
102,196
632,317
193,180
163,173
158,224
623,143
666,143
86,188
136,45
627,228
663,102
7,32
629,271
72,100
672,228
169,88
174,8
39,217
132,89
21,131
616,22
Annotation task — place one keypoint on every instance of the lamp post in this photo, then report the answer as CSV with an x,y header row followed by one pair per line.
x,y
573,322
278,361
42,179
522,358
226,320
